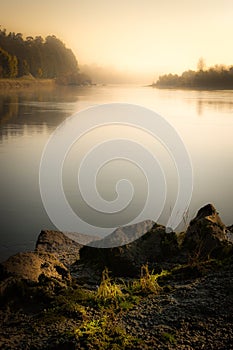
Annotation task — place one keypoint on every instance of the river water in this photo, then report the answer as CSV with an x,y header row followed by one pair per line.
x,y
203,119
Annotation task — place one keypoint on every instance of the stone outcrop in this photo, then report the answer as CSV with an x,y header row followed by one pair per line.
x,y
56,255
206,234
123,235
32,269
32,266
41,303
155,245
205,237
62,247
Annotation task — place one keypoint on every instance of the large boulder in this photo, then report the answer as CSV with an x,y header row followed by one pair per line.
x,y
60,245
123,235
156,245
33,269
31,266
206,235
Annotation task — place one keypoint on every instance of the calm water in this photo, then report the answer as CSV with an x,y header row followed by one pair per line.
x,y
204,120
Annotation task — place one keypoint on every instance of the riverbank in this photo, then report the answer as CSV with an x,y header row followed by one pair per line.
x,y
188,88
57,294
30,82
25,83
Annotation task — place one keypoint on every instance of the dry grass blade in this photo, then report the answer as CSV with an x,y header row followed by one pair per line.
x,y
108,290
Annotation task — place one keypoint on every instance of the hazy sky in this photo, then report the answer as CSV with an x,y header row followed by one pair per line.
x,y
151,36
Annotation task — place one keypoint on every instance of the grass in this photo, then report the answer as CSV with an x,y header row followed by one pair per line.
x,y
102,330
108,291
104,333
97,313
147,283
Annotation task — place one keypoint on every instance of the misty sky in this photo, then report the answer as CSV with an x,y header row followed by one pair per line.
x,y
147,36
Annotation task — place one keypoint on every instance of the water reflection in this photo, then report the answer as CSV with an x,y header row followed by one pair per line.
x,y
218,101
9,108
27,118
38,107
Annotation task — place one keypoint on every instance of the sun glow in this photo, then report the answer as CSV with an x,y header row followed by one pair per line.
x,y
147,38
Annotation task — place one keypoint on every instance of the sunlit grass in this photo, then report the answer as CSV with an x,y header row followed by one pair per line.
x,y
108,290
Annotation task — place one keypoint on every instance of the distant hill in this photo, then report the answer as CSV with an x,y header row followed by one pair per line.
x,y
217,77
42,58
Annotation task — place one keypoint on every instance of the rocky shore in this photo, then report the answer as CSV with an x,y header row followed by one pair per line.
x,y
164,290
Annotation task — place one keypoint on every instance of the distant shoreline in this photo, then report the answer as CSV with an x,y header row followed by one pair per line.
x,y
25,83
18,83
194,88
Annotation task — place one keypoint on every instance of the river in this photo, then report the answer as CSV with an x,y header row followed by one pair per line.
x,y
203,119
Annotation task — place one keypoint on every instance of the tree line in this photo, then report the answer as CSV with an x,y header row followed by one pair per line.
x,y
42,58
217,77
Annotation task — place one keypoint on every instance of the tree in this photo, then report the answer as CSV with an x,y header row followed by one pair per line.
x,y
201,64
41,58
13,62
4,63
8,65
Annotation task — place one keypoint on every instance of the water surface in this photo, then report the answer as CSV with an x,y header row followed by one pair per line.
x,y
204,120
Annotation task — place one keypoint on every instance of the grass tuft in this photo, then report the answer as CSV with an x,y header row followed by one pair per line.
x,y
108,291
147,284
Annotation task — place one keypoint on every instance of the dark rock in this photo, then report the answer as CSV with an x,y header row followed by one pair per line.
x,y
62,247
156,245
206,235
229,233
123,235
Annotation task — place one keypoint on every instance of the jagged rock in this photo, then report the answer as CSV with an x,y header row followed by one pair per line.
x,y
31,265
62,247
123,235
154,246
32,268
206,234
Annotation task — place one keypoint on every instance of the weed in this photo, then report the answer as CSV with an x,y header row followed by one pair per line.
x,y
108,291
148,282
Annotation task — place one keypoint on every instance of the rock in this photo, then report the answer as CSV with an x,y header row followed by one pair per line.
x,y
62,247
123,235
206,234
33,268
229,233
154,246
205,237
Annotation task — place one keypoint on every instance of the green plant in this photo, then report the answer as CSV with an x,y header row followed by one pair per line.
x,y
128,303
168,338
108,291
79,295
91,328
104,333
147,283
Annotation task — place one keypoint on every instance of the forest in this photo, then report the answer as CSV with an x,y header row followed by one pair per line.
x,y
217,77
41,58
